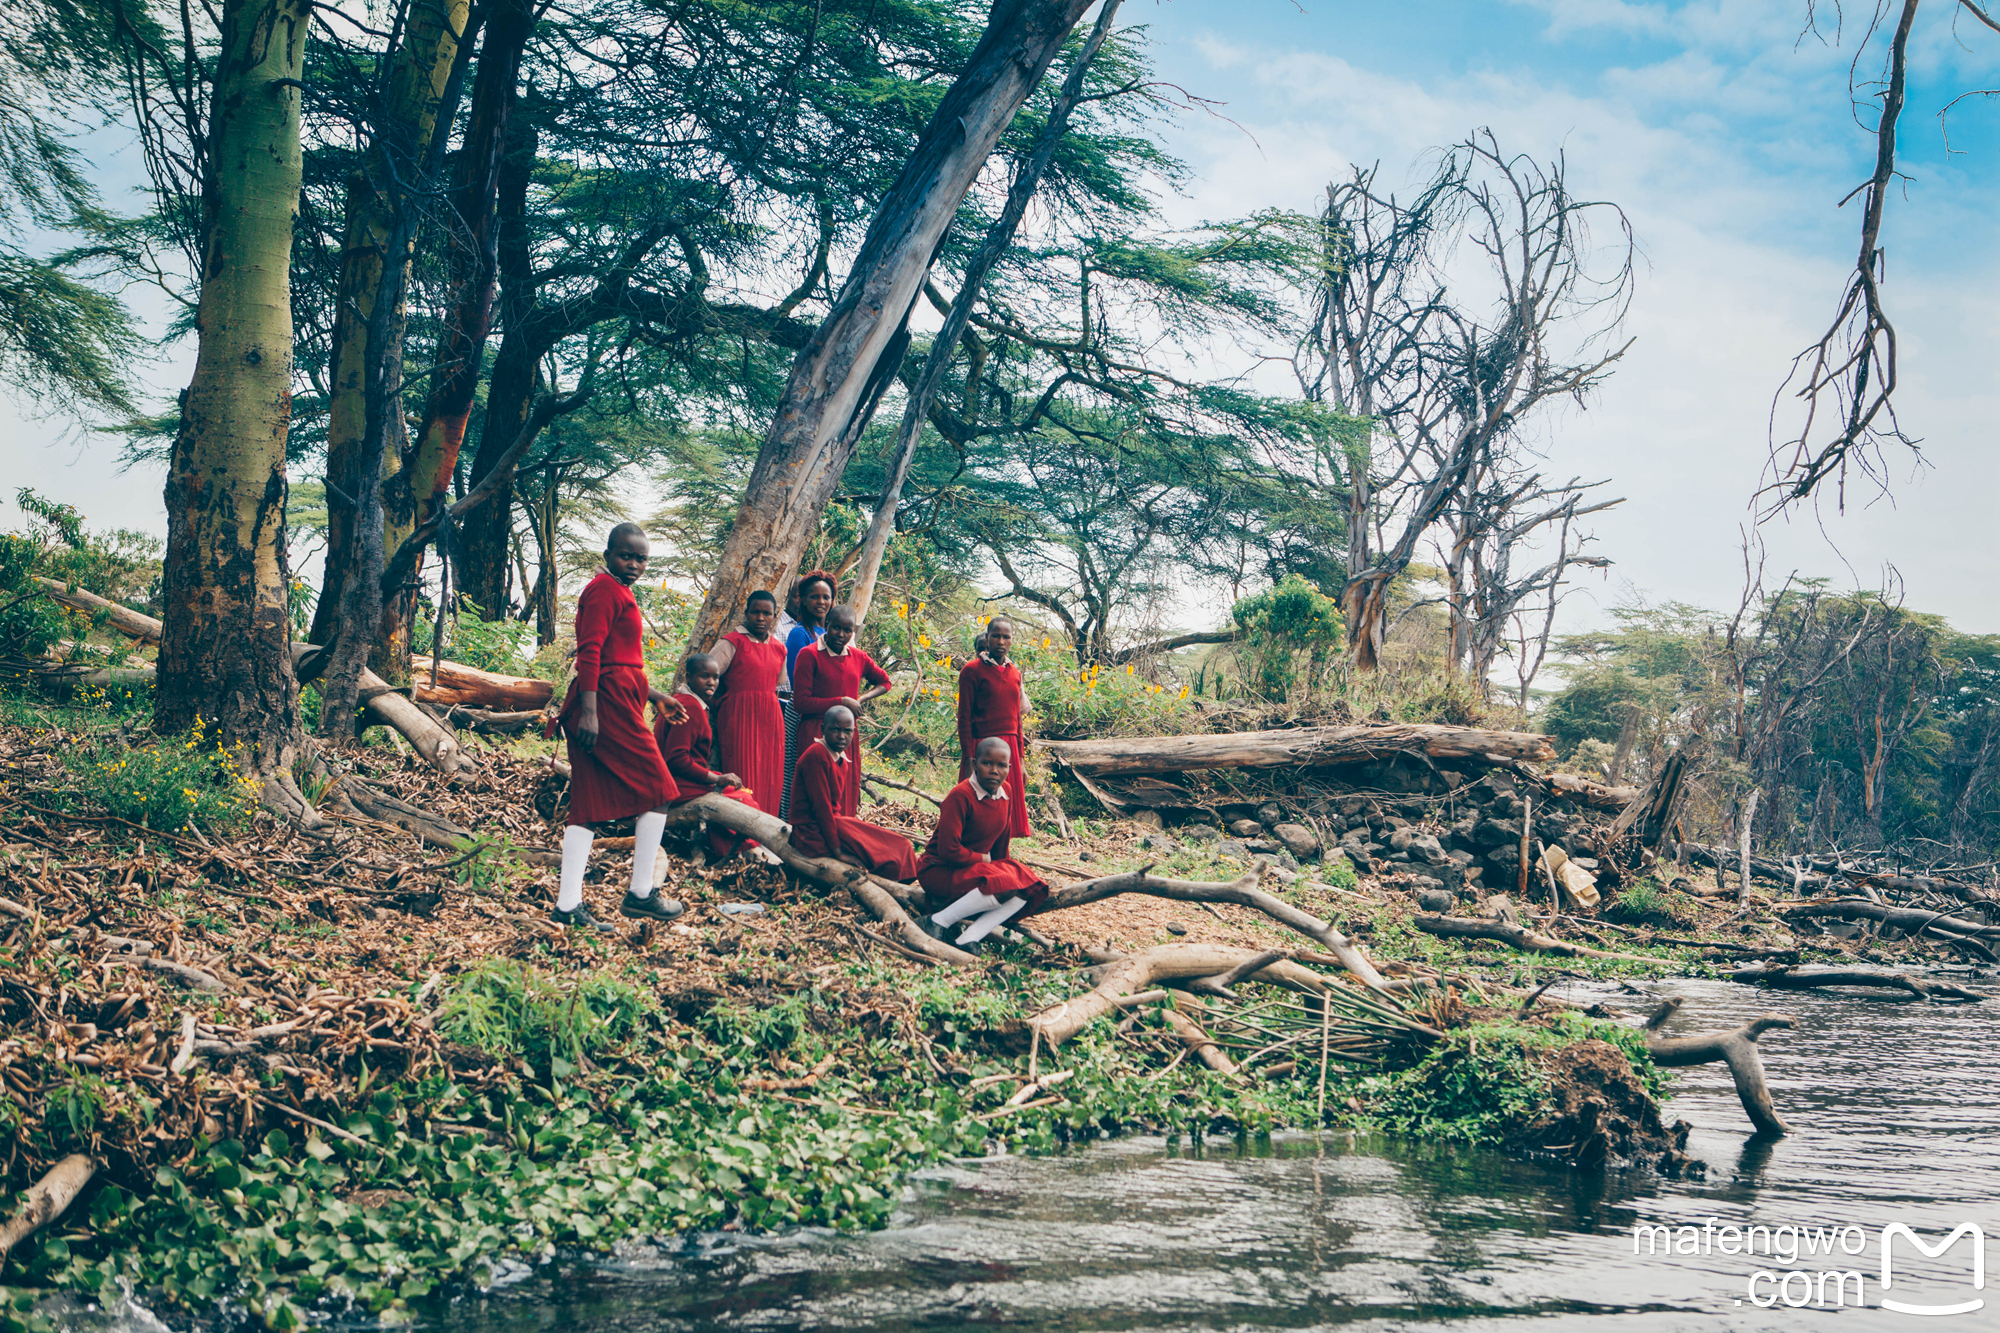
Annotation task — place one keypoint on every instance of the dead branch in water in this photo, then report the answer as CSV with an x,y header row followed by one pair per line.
x,y
1785,978
1738,1049
1519,937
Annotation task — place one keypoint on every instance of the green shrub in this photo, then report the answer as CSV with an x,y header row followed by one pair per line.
x,y
490,645
1291,634
509,1008
1645,903
169,785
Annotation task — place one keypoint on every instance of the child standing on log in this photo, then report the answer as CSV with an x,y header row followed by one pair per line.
x,y
749,724
831,674
686,745
991,701
802,626
965,870
616,770
825,805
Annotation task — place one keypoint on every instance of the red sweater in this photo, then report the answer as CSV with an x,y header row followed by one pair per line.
x,y
686,747
989,703
608,630
820,680
968,827
819,795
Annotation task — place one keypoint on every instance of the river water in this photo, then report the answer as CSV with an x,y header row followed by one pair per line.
x,y
1895,1111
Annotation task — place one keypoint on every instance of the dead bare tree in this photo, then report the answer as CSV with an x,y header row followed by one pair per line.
x,y
1449,358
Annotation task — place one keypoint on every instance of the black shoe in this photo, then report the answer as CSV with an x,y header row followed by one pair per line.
x,y
934,930
579,918
654,908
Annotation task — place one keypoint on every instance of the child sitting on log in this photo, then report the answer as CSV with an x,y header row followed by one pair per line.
x,y
825,805
686,745
965,871
831,674
616,769
991,702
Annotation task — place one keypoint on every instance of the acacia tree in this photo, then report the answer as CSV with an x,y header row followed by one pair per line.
x,y
225,651
841,373
1447,362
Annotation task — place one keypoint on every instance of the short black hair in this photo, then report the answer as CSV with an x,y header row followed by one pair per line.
x,y
700,662
846,616
761,595
997,621
623,530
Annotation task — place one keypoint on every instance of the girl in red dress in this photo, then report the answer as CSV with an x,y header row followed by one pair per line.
x,y
991,701
749,724
831,674
616,770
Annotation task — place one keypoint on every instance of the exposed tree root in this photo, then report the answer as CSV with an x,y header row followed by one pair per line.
x,y
1737,1048
47,1198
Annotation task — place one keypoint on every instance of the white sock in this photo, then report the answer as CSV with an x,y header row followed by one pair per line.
x,y
575,855
646,847
980,927
964,906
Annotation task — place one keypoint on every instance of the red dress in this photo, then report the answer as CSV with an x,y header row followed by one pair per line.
x,y
823,820
749,724
623,774
968,826
989,704
685,746
820,680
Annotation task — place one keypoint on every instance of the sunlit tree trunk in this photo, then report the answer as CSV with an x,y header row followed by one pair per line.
x,y
225,650
841,373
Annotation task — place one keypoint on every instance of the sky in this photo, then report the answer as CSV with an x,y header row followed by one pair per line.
x,y
1725,132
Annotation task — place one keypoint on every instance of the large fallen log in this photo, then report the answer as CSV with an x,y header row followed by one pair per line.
x,y
1738,1049
1911,919
1136,972
1520,937
1244,891
1819,874
47,1198
1305,747
385,707
457,683
775,834
1785,978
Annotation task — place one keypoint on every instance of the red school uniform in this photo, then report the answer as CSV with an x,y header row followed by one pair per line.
x,y
970,825
990,704
823,822
685,746
821,679
749,723
624,774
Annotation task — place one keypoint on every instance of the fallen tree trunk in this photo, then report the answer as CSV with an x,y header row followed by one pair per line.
x,y
1136,972
1594,794
47,1198
1911,919
1738,1049
384,706
1199,1042
1824,874
1785,978
1305,747
1520,937
775,834
457,683
1244,891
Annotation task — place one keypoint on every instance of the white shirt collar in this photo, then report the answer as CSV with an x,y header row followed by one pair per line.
x,y
839,756
830,652
979,792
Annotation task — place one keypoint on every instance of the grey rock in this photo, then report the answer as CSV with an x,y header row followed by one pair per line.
x,y
1351,806
1158,842
1400,839
1200,832
1299,840
1435,900
1246,828
1231,847
1423,847
1271,814
1176,928
1462,858
1261,847
1401,858
1498,833
1148,819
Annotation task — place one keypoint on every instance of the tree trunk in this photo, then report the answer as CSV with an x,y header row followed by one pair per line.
x,y
841,372
425,482
882,524
1304,747
225,651
484,537
418,91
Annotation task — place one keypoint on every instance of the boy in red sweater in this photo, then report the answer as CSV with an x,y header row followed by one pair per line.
x,y
616,770
824,806
991,701
965,870
687,744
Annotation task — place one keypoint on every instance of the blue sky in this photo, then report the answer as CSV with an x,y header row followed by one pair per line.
x,y
1726,134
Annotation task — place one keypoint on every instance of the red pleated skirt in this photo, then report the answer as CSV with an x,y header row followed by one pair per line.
x,y
623,774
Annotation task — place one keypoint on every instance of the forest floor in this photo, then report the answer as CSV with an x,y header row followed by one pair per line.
x,y
354,1069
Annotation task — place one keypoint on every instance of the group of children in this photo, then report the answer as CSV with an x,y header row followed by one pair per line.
x,y
770,717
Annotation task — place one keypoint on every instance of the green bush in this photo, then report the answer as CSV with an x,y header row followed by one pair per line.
x,y
1644,903
508,1008
1292,634
170,785
490,645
